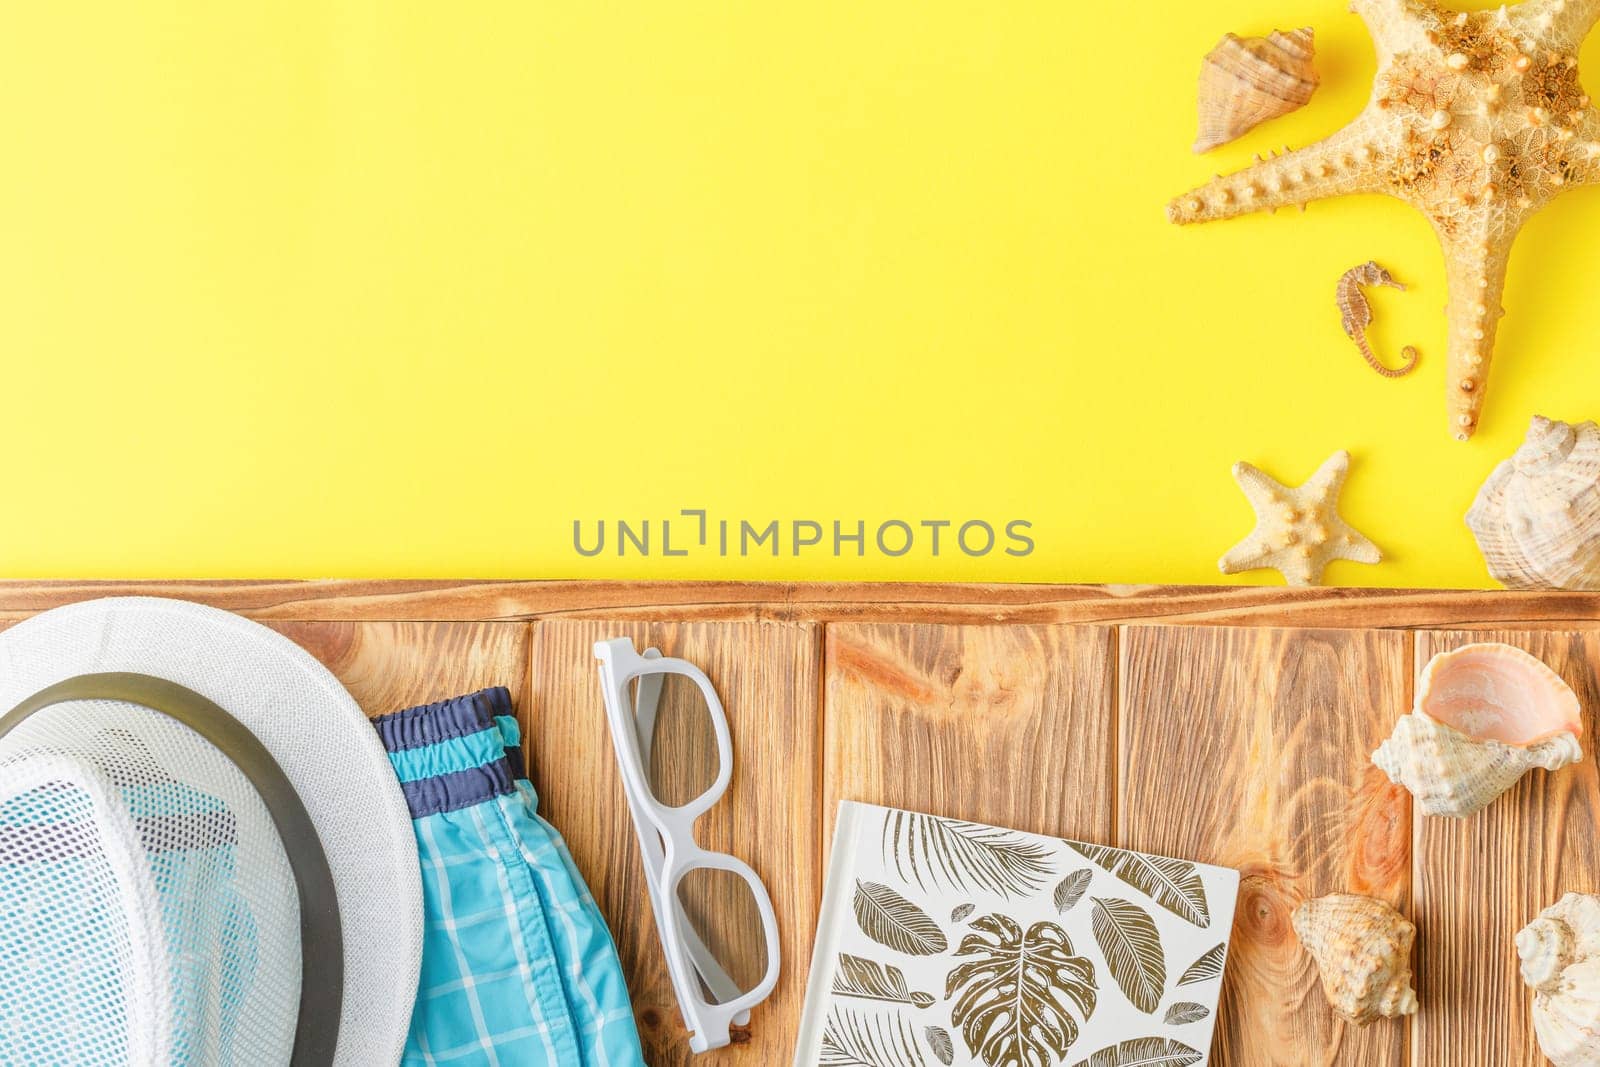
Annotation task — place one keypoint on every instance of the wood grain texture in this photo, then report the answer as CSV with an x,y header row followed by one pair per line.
x,y
1004,725
1249,748
1480,880
1172,732
471,601
767,675
388,666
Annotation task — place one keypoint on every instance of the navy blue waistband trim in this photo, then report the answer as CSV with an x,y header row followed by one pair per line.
x,y
428,724
452,792
445,721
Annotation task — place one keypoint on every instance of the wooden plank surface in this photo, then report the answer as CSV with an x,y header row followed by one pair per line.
x,y
1480,880
1241,745
472,601
767,675
1249,748
388,666
1004,725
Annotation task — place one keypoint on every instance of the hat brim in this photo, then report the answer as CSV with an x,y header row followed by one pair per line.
x,y
319,737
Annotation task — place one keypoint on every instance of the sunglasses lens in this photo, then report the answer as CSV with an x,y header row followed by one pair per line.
x,y
683,763
722,928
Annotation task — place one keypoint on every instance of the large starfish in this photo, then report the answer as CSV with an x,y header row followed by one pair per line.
x,y
1478,120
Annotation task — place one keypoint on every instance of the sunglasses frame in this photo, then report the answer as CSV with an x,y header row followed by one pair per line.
x,y
667,844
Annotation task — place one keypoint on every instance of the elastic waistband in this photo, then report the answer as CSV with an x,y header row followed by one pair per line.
x,y
455,753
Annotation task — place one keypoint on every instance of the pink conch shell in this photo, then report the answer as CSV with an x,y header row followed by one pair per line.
x,y
1486,714
1498,693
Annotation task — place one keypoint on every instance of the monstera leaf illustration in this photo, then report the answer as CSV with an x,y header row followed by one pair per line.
x,y
1173,884
1071,890
1017,994
1144,1052
892,920
853,1040
1206,967
869,980
1132,946
944,853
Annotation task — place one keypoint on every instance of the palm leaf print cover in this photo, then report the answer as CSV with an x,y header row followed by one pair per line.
x,y
945,942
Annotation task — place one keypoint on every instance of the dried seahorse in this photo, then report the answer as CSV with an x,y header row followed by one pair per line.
x,y
1357,314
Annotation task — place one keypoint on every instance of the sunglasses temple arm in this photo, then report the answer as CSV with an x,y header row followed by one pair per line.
x,y
646,704
722,987
716,979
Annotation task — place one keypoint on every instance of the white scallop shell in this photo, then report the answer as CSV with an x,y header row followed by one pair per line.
x,y
1560,954
1486,714
1537,518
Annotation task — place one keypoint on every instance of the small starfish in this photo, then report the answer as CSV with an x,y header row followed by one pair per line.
x,y
1298,531
1478,120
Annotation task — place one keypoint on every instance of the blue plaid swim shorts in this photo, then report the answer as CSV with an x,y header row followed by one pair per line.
x,y
518,967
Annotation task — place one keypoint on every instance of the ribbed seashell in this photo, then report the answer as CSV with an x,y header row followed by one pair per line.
x,y
1362,948
1245,81
1560,953
1485,715
1537,518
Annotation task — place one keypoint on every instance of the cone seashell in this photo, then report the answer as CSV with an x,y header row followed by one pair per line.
x,y
1485,715
1245,81
1362,948
1560,953
1537,518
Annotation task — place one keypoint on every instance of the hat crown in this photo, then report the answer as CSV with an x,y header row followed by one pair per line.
x,y
148,910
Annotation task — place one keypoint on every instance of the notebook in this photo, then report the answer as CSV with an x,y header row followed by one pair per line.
x,y
944,942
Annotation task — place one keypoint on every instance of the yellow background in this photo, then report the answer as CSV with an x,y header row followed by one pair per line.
x,y
365,288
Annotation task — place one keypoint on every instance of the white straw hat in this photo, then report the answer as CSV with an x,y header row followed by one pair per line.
x,y
205,855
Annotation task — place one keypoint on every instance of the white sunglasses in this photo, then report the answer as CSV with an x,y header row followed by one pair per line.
x,y
666,841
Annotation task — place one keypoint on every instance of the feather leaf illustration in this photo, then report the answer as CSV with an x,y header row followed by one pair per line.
x,y
1017,993
1071,889
1207,967
1174,884
855,1040
949,854
962,912
1132,946
893,921
938,1038
869,980
1144,1052
1185,1012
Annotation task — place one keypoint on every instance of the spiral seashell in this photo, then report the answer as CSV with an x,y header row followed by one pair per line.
x,y
1485,715
1245,81
1560,954
1537,518
1362,948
